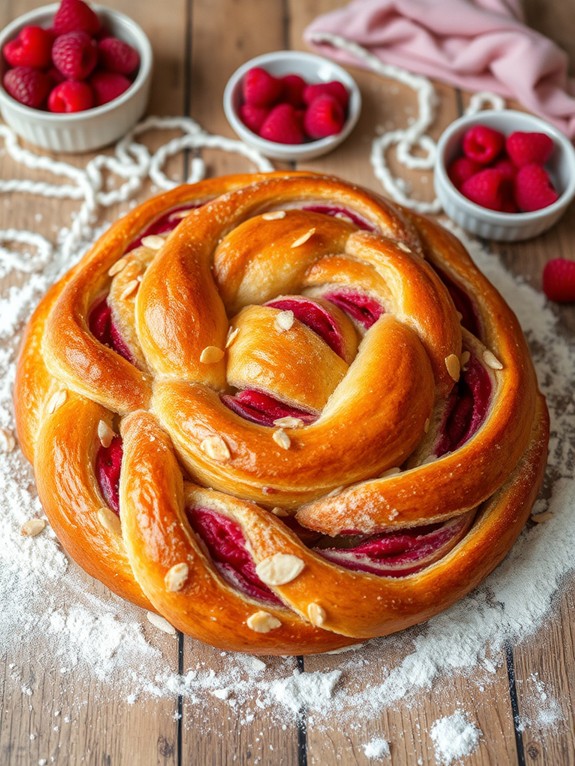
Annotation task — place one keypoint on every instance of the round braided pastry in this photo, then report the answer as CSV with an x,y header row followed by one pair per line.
x,y
281,412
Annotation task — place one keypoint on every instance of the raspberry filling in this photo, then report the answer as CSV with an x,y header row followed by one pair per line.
x,y
466,408
397,554
314,316
359,306
262,408
103,329
108,466
462,302
226,546
162,225
341,212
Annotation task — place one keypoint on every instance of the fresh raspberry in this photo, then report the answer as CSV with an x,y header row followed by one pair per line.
x,y
461,169
534,189
260,88
32,47
108,85
71,96
293,87
118,56
507,167
482,144
75,55
334,88
253,117
324,117
559,280
28,86
75,16
283,125
489,188
528,148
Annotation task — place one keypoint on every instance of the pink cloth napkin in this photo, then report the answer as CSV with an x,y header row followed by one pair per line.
x,y
473,44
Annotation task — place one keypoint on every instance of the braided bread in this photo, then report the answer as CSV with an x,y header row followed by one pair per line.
x,y
282,412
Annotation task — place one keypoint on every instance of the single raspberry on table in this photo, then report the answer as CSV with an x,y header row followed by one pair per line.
x,y
559,280
460,169
283,125
75,16
324,117
482,144
260,88
534,189
107,86
118,56
27,85
75,55
334,88
71,96
293,87
527,148
489,188
253,117
32,47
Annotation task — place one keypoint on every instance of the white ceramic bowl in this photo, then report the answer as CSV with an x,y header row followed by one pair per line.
x,y
92,128
492,224
314,69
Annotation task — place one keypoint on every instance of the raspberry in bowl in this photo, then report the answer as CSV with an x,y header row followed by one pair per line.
x,y
504,175
291,105
75,76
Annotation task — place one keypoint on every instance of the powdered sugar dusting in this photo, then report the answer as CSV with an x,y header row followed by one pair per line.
x,y
53,610
454,737
377,748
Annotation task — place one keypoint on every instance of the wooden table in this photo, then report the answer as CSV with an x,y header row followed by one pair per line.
x,y
197,44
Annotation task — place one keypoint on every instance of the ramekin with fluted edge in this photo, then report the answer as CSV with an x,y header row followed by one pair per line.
x,y
313,69
493,224
92,128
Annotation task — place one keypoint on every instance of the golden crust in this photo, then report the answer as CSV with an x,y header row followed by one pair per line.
x,y
188,305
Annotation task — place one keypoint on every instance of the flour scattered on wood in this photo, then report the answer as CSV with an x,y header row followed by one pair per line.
x,y
74,628
377,748
454,737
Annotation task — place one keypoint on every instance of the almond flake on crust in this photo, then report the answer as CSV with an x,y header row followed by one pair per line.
x,y
117,267
289,422
279,569
129,289
304,238
232,335
176,577
491,360
262,622
279,512
281,438
105,434
215,448
211,355
465,357
153,241
274,215
316,614
404,247
180,214
541,518
453,366
56,400
32,527
159,622
284,320
109,520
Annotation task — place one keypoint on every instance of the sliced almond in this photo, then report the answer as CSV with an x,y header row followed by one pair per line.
x,y
404,247
541,518
491,360
176,577
7,440
109,520
284,320
262,622
465,357
274,215
279,512
129,289
316,614
56,400
215,448
289,422
453,366
105,434
160,622
180,214
390,472
32,527
304,238
153,241
281,438
117,267
279,569
232,335
211,355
